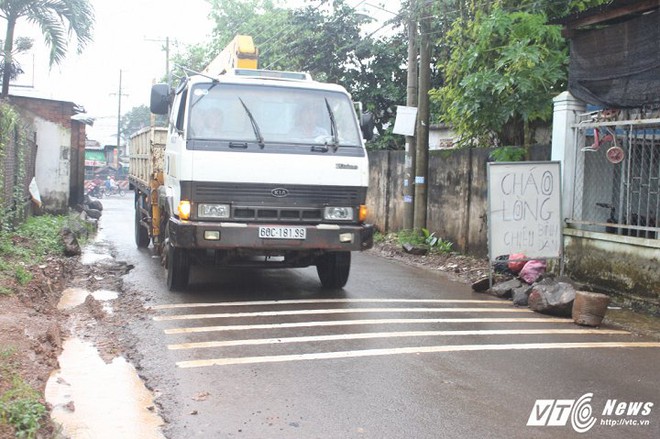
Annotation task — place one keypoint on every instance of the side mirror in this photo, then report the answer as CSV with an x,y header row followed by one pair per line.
x,y
160,99
367,125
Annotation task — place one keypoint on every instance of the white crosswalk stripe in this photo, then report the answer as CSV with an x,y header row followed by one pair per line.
x,y
218,342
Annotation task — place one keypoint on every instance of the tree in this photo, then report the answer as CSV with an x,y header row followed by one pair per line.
x,y
501,65
138,118
501,76
57,19
324,39
22,44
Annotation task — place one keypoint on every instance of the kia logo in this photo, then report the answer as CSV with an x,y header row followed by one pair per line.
x,y
279,192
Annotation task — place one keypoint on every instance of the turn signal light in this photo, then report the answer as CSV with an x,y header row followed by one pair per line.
x,y
363,213
184,209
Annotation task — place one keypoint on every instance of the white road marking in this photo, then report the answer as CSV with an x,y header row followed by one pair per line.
x,y
361,322
372,335
321,301
408,350
301,312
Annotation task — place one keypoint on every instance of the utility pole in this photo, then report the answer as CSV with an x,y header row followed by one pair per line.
x,y
119,95
411,101
168,73
422,154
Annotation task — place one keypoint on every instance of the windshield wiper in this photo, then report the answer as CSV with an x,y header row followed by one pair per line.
x,y
255,126
333,126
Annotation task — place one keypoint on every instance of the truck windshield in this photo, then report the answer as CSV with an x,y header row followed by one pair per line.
x,y
283,115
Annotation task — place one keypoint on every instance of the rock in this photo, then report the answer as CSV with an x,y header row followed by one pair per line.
x,y
93,213
589,308
415,249
95,204
521,295
71,246
552,297
481,285
505,289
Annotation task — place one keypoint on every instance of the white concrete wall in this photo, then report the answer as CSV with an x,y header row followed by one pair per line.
x,y
53,165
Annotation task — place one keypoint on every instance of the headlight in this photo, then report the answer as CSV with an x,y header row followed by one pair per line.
x,y
213,211
338,213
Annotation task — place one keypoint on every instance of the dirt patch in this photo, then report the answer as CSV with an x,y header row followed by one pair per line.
x,y
457,267
32,328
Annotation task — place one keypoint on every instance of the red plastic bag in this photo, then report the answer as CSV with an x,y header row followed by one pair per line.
x,y
532,271
516,266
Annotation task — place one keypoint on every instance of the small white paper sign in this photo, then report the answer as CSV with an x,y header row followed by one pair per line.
x,y
406,117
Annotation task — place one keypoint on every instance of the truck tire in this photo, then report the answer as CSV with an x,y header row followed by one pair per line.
x,y
178,268
141,233
333,269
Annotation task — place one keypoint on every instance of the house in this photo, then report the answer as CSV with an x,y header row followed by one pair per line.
x,y
59,131
606,134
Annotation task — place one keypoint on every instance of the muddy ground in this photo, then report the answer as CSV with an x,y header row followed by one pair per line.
x,y
33,327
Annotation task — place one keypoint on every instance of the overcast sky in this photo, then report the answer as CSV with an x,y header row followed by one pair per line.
x,y
128,36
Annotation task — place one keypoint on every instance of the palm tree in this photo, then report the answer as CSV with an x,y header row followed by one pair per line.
x,y
57,19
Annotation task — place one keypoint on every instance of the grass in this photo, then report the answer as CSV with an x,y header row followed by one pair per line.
x,y
20,405
424,238
36,239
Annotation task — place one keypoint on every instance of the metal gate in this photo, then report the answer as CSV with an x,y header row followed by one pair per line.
x,y
616,186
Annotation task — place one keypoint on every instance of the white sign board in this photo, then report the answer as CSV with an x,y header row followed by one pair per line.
x,y
524,209
406,117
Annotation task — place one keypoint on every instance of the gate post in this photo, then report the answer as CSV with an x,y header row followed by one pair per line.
x,y
564,149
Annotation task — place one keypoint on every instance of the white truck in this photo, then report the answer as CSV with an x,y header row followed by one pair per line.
x,y
256,168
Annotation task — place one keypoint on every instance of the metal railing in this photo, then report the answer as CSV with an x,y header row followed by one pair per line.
x,y
617,176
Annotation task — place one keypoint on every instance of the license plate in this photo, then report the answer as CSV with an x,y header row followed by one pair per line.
x,y
279,232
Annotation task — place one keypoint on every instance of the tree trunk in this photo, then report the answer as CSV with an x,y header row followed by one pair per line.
x,y
9,46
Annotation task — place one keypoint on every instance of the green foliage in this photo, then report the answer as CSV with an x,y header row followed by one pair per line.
x,y
508,154
322,38
504,69
34,240
138,118
58,20
20,405
11,131
423,237
23,276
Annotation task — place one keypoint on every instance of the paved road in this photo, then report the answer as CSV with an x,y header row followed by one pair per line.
x,y
399,353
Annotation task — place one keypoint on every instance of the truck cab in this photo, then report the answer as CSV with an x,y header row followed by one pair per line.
x,y
263,169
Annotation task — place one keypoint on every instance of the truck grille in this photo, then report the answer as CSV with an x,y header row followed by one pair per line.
x,y
258,194
274,203
284,215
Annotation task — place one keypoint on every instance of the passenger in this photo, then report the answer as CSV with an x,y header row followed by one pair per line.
x,y
206,124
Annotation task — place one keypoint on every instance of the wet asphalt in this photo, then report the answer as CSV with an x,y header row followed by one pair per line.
x,y
400,352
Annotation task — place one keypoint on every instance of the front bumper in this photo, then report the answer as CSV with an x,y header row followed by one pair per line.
x,y
328,237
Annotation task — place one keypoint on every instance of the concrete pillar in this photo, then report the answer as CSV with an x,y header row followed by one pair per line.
x,y
564,149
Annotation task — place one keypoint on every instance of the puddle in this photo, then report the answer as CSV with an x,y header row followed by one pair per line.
x,y
72,297
90,257
92,399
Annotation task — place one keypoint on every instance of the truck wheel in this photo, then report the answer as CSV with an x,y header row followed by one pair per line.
x,y
178,268
333,269
141,232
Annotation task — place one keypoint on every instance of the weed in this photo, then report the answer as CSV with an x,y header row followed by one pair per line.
x,y
23,276
379,237
38,237
424,238
20,406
